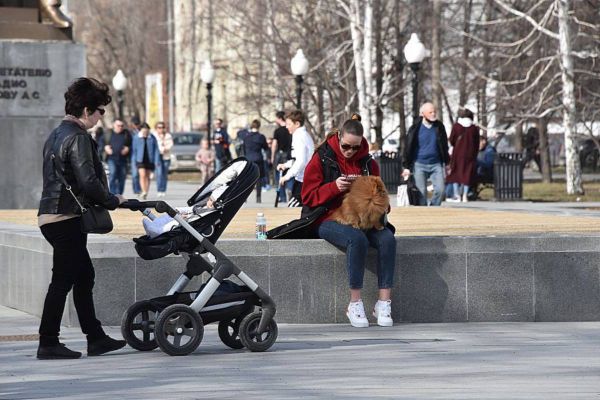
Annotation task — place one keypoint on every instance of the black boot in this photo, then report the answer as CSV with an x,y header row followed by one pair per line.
x,y
104,345
55,352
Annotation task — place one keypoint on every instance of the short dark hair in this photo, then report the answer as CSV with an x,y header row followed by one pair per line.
x,y
465,113
296,116
86,93
280,115
135,120
144,125
255,124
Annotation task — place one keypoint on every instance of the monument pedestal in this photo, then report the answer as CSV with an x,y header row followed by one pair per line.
x,y
33,79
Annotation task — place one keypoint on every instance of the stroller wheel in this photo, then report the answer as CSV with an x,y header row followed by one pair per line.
x,y
251,339
229,331
179,330
137,325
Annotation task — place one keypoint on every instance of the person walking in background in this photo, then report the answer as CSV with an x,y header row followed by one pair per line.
x,y
325,184
146,156
221,142
70,155
239,140
303,148
205,161
426,153
281,152
134,128
254,143
464,139
165,144
117,148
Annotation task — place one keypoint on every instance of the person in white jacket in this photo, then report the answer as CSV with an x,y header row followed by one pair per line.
x,y
303,148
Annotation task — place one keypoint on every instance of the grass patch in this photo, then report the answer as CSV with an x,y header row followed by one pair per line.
x,y
555,191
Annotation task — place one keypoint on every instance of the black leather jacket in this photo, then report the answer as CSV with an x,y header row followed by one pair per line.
x,y
76,156
412,142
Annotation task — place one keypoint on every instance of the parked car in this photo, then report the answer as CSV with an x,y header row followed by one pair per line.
x,y
183,153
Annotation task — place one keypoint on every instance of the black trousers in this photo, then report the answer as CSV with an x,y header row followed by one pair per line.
x,y
72,269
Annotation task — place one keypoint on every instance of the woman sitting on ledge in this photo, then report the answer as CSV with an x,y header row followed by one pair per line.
x,y
325,183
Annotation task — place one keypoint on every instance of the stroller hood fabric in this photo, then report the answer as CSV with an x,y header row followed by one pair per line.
x,y
235,182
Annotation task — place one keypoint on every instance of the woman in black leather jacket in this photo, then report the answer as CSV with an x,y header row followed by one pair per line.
x,y
76,158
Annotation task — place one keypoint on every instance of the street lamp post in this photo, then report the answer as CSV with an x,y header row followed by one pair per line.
x,y
207,74
299,66
119,82
415,52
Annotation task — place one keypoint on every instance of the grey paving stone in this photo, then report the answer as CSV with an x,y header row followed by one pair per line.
x,y
567,287
432,288
500,287
114,288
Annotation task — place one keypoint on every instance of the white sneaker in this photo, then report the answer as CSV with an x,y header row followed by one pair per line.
x,y
465,198
383,313
453,199
356,314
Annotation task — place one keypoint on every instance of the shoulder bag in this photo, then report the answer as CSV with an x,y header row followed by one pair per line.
x,y
94,219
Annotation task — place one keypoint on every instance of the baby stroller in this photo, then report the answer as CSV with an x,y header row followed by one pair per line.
x,y
175,322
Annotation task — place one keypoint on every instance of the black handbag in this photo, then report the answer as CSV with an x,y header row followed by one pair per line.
x,y
94,219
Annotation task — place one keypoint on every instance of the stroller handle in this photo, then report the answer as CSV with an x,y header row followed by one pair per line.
x,y
159,206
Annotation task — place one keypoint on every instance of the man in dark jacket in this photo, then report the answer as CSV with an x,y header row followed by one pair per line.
x,y
426,153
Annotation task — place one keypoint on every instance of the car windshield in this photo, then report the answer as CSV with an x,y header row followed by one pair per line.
x,y
187,139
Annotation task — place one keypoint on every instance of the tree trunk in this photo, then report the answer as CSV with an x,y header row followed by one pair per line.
x,y
463,95
519,137
400,40
368,69
379,75
357,49
542,125
573,167
436,48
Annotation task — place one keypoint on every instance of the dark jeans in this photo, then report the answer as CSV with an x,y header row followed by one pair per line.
x,y
72,269
117,171
356,243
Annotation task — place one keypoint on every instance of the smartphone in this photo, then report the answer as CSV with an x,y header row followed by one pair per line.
x,y
350,178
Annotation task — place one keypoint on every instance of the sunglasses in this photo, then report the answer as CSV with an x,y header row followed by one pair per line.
x,y
160,127
347,147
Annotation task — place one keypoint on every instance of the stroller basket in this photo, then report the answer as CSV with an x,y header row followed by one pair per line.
x,y
240,176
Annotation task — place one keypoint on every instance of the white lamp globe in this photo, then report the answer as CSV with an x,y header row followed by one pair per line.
x,y
207,73
119,81
414,51
299,63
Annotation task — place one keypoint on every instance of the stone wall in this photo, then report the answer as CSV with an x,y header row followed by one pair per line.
x,y
33,79
438,279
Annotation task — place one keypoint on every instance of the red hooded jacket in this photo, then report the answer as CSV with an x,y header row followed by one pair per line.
x,y
317,193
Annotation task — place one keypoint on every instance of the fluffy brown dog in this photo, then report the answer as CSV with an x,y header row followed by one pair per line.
x,y
364,205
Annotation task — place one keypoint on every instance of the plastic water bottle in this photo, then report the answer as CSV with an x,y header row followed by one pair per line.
x,y
261,226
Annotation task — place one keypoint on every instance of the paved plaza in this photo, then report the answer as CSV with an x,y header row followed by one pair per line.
x,y
408,361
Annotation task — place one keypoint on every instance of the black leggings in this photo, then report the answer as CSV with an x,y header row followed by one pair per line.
x,y
72,269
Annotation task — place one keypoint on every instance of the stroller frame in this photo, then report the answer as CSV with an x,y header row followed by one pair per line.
x,y
251,326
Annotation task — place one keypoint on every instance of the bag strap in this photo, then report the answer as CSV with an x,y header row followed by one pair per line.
x,y
64,182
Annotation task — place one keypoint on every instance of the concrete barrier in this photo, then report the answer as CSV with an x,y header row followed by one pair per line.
x,y
542,277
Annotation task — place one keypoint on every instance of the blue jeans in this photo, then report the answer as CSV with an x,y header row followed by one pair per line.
x,y
135,178
356,243
162,175
435,172
117,171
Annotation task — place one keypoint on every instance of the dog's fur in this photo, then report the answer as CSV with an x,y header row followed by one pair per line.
x,y
364,205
